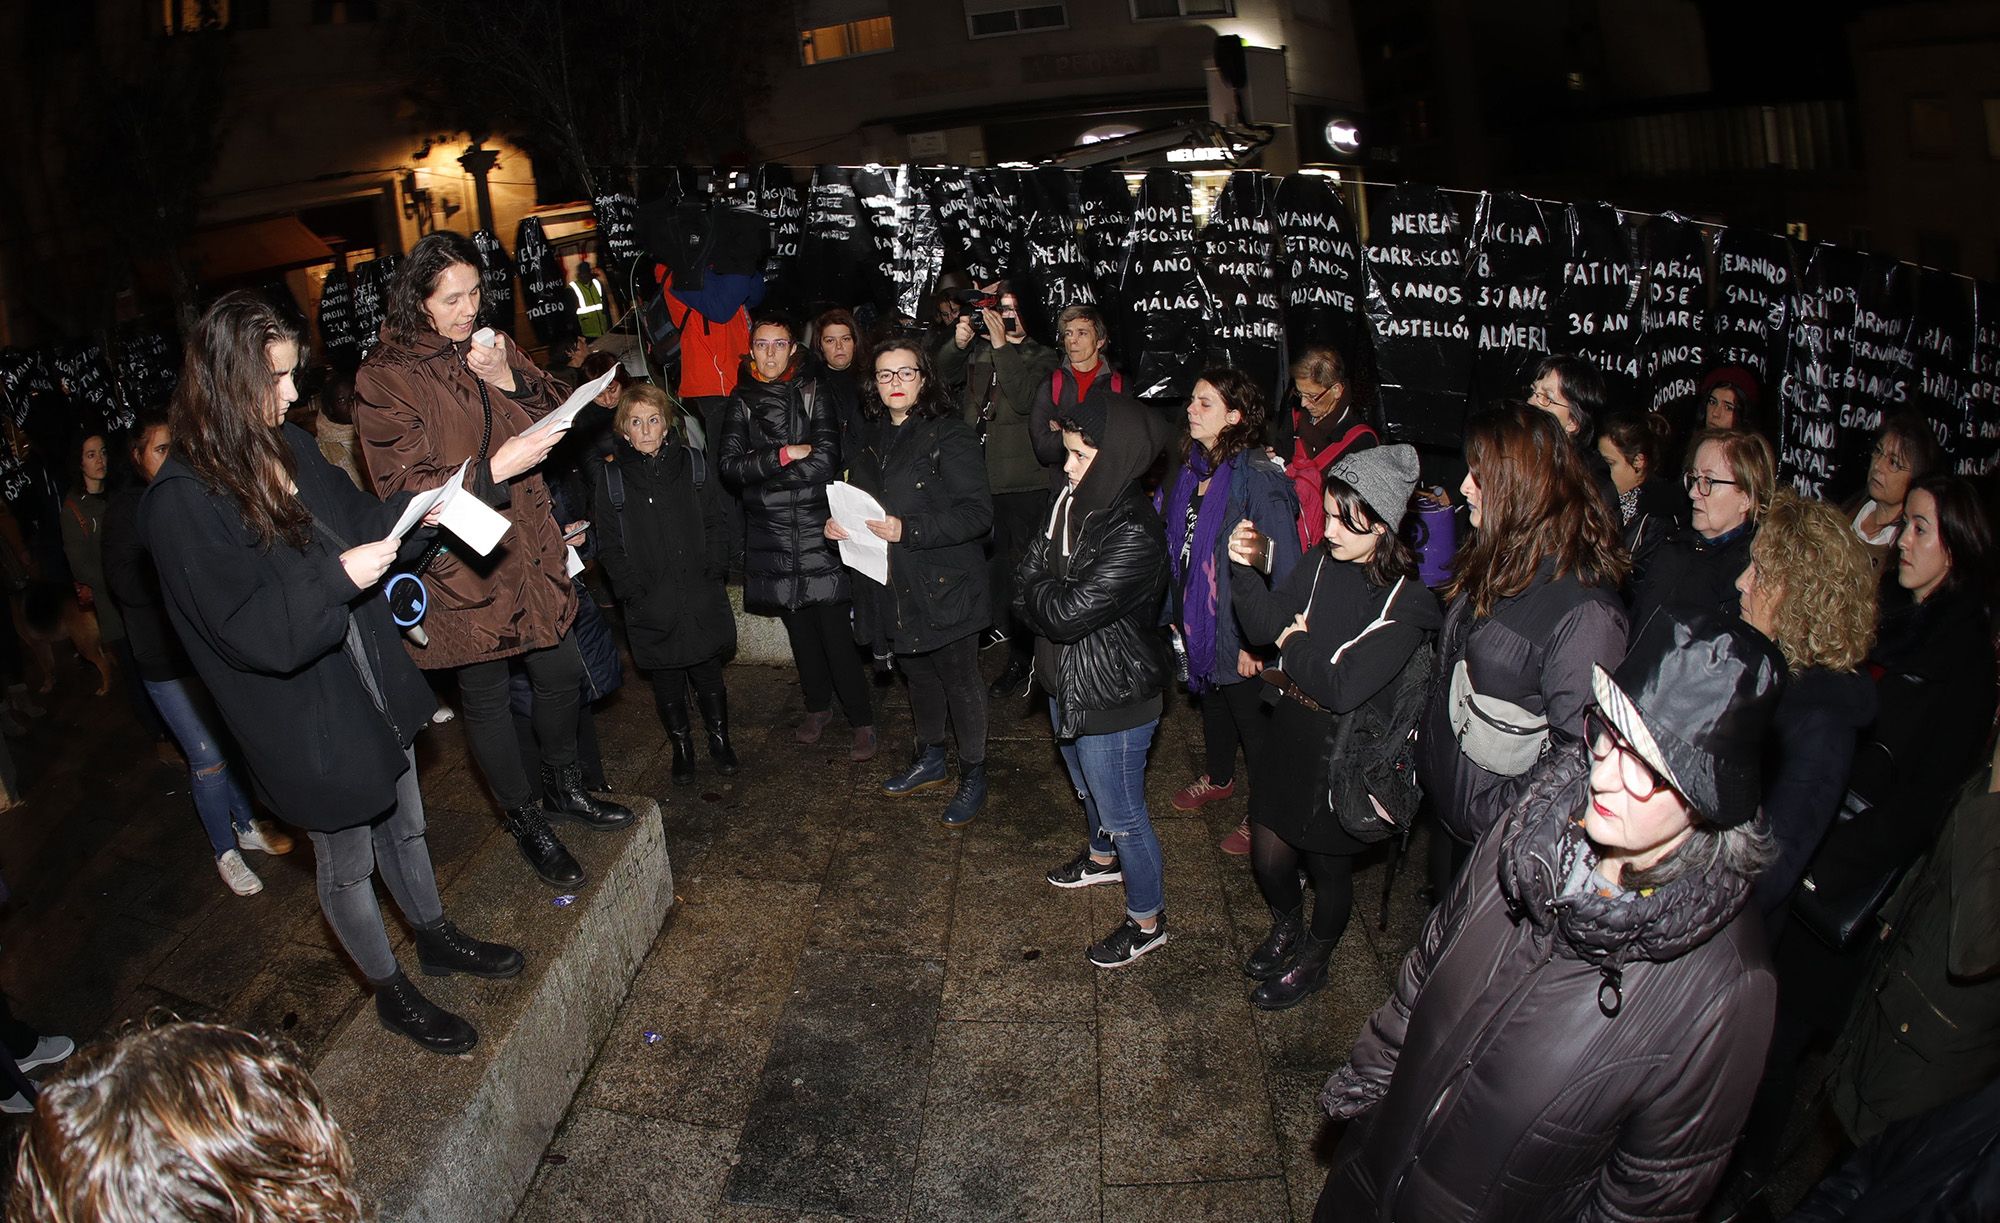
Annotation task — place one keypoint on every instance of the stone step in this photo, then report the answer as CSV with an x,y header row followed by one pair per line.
x,y
459,1138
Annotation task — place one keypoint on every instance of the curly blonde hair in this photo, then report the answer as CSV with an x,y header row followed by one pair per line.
x,y
1808,557
184,1121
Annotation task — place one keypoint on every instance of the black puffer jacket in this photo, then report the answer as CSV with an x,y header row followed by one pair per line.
x,y
930,474
1556,1057
1091,583
666,554
788,562
1685,569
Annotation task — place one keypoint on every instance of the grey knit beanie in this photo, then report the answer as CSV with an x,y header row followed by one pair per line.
x,y
1385,476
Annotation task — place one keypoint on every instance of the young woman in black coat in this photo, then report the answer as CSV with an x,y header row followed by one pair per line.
x,y
663,539
925,466
269,560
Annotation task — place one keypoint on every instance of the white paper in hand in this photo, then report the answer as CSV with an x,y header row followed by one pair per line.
x,y
578,400
573,561
862,551
424,502
475,523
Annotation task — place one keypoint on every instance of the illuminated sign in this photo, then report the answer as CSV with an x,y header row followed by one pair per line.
x,y
1203,154
1343,136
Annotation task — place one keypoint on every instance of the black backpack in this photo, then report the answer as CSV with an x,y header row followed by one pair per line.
x,y
614,479
1374,754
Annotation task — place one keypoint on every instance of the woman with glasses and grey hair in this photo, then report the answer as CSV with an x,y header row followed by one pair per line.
x,y
1575,1033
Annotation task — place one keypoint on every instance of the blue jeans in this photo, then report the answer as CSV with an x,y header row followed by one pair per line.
x,y
1109,773
218,796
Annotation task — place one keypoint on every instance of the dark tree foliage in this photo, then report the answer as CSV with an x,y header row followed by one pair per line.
x,y
606,89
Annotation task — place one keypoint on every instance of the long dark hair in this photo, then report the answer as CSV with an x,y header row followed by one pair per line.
x,y
416,279
931,402
1537,502
1241,394
1393,558
217,416
1963,527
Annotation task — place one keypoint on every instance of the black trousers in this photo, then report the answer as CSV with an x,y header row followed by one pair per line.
x,y
1231,714
823,648
1275,865
1016,519
945,683
557,675
588,754
671,684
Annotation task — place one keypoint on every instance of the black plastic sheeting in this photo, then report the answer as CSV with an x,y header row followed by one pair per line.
x,y
1320,257
337,337
1416,308
1977,437
551,309
1813,401
618,233
1510,293
496,281
371,288
1753,281
1597,297
1170,307
1673,319
1239,262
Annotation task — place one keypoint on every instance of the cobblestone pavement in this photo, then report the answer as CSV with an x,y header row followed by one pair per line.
x,y
860,1013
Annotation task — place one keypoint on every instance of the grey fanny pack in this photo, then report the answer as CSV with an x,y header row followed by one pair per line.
x,y
1498,736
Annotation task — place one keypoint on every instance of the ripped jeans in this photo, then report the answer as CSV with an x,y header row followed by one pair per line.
x,y
1109,773
219,797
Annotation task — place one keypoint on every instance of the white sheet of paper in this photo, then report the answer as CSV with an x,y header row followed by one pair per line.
x,y
578,400
573,561
427,500
475,523
862,551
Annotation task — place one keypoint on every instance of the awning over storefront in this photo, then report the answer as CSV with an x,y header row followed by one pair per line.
x,y
252,248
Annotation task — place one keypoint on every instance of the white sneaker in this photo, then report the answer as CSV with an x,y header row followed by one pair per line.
x,y
47,1052
265,837
444,714
237,874
16,1104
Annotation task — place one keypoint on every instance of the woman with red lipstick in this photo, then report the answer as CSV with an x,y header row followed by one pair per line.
x,y
924,466
431,398
1575,1035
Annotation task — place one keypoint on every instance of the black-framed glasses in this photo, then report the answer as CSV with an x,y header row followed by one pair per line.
x,y
1698,483
1640,779
887,377
1896,461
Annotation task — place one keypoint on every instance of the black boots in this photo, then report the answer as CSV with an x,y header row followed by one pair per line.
x,y
715,716
562,790
681,736
530,829
402,1009
1305,978
445,949
926,772
970,798
1274,955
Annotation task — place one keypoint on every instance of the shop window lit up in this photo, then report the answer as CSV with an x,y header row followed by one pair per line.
x,y
845,39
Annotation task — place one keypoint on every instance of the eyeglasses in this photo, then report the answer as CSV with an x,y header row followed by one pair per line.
x,y
907,373
1698,483
1895,457
1638,777
1542,398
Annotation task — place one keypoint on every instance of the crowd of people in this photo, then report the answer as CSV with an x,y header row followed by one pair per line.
x,y
1704,762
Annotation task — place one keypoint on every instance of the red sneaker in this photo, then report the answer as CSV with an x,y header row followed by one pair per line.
x,y
1201,793
1237,843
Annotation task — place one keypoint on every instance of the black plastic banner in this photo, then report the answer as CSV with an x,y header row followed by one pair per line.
x,y
951,198
336,322
1813,391
1510,291
1321,262
1169,307
1416,309
147,368
86,381
618,234
1673,318
1104,205
1753,279
877,193
903,236
835,252
1878,367
1979,409
995,196
1056,273
371,279
1597,300
1940,349
778,203
1239,262
551,306
496,281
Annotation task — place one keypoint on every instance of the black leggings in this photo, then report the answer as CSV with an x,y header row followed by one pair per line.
x,y
1276,866
1232,713
823,648
557,674
670,685
947,681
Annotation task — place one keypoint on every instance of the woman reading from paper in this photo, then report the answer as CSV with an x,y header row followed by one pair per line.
x,y
433,396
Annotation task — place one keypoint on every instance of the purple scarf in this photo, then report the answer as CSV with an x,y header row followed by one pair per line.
x,y
1198,583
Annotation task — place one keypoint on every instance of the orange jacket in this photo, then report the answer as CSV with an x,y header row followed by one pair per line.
x,y
711,353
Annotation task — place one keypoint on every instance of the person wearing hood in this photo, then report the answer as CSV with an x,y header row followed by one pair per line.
x,y
1347,622
1090,589
663,540
923,465
1577,1033
431,399
780,448
1730,478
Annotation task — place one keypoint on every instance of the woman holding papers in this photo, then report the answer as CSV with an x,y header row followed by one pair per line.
x,y
432,397
924,465
269,561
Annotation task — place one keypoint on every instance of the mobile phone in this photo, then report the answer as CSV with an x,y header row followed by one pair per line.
x,y
577,530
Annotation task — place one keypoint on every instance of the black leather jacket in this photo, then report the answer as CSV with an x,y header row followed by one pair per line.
x,y
1097,607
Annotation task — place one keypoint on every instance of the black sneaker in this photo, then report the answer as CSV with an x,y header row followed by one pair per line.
x,y
1127,943
1084,870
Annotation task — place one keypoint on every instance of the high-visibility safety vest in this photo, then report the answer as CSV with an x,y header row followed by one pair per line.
x,y
589,307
